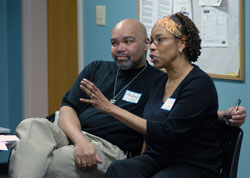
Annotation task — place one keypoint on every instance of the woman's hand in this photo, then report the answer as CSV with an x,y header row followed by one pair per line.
x,y
237,116
97,99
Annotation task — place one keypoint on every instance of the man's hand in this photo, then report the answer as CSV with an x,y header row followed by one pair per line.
x,y
85,155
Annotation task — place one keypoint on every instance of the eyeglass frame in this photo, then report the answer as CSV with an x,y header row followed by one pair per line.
x,y
158,40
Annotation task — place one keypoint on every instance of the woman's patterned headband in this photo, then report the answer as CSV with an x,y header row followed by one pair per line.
x,y
170,25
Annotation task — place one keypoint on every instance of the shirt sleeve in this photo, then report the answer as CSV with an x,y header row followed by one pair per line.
x,y
72,97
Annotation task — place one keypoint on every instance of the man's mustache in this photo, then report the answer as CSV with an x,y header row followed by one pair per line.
x,y
122,55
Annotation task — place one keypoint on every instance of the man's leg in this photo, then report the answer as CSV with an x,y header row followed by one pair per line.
x,y
63,162
31,155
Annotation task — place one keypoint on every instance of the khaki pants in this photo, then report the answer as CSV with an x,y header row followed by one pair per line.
x,y
43,151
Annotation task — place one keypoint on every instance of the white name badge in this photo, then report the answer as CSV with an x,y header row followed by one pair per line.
x,y
168,104
131,96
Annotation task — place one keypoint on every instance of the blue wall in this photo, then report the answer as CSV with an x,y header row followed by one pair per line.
x,y
97,38
97,46
10,66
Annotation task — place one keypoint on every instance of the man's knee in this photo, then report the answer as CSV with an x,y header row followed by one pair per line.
x,y
31,122
28,125
41,129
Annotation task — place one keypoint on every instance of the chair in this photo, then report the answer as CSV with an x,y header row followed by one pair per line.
x,y
54,118
231,145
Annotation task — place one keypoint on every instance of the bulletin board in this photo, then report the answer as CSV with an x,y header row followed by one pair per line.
x,y
222,62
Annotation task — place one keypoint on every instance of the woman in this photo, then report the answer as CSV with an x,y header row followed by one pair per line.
x,y
179,121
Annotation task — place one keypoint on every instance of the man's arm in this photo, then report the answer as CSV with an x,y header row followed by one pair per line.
x,y
238,117
84,152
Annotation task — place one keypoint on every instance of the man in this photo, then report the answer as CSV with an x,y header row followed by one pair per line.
x,y
88,140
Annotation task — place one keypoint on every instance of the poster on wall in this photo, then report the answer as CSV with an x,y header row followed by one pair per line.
x,y
221,27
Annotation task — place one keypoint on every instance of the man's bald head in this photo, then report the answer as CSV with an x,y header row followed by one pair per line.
x,y
132,25
129,44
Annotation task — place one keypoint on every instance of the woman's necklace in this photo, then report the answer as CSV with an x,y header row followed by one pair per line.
x,y
113,100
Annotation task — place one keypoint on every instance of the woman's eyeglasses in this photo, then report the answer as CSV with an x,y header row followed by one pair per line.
x,y
158,40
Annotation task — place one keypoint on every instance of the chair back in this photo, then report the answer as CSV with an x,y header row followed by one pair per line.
x,y
231,146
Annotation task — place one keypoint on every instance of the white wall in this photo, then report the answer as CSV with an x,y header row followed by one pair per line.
x,y
35,58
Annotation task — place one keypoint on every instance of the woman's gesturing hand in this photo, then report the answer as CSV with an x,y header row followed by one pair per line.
x,y
97,99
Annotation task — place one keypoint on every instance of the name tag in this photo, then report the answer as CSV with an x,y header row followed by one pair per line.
x,y
168,104
131,96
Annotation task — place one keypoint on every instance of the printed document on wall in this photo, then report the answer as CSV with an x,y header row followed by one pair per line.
x,y
152,10
214,32
183,6
210,2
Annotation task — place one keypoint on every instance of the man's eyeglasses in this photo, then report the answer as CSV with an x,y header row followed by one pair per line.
x,y
158,40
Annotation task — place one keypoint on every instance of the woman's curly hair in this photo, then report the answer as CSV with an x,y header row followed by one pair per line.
x,y
192,41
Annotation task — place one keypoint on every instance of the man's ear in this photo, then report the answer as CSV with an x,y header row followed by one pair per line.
x,y
147,42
